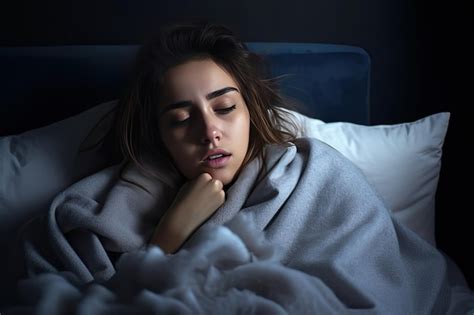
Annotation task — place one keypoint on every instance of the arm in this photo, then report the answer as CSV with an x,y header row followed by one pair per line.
x,y
196,201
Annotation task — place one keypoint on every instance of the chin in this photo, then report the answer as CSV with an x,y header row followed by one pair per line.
x,y
224,177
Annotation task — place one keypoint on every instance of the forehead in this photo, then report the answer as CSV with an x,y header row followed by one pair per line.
x,y
195,78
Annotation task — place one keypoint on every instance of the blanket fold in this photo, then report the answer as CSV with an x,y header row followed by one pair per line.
x,y
307,235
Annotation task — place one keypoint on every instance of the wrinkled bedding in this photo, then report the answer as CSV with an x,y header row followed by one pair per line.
x,y
307,236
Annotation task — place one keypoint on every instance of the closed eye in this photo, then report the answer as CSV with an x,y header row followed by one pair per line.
x,y
221,111
226,110
175,123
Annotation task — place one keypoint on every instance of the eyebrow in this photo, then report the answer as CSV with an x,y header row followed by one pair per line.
x,y
209,96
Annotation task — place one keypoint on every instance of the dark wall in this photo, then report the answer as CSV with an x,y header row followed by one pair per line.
x,y
385,29
444,61
405,39
419,54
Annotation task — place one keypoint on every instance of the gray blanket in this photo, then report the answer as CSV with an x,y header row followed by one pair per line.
x,y
309,236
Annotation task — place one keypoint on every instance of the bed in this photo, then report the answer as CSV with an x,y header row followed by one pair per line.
x,y
53,96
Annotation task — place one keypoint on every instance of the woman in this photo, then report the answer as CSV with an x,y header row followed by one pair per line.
x,y
205,143
193,84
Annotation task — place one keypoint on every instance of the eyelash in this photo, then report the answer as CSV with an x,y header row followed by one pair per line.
x,y
223,111
226,110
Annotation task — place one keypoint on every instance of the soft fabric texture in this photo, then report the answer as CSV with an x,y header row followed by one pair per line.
x,y
200,279
36,165
332,246
401,161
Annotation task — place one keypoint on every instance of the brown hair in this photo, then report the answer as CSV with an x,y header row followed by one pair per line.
x,y
137,118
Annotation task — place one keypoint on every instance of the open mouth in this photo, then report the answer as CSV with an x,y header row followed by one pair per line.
x,y
216,156
217,160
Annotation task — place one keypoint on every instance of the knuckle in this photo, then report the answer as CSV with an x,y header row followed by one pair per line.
x,y
217,184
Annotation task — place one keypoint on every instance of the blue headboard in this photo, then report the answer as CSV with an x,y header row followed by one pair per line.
x,y
41,85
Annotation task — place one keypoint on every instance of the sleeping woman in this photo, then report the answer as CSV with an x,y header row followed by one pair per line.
x,y
217,207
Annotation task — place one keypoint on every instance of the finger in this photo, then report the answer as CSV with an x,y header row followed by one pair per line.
x,y
206,177
217,184
222,196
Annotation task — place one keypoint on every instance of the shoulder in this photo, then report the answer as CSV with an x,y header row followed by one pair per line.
x,y
324,161
309,149
321,151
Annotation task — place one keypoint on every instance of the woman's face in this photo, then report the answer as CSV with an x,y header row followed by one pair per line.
x,y
203,120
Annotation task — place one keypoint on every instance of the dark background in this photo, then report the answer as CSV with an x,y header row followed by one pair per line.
x,y
421,61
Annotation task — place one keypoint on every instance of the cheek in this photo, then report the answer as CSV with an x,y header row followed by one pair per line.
x,y
243,125
170,139
168,133
180,152
242,131
176,153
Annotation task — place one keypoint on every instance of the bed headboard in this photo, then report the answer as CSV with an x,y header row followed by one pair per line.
x,y
41,85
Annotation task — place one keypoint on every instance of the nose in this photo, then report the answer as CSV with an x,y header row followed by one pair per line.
x,y
210,133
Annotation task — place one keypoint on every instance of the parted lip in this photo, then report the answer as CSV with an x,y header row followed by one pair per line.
x,y
214,152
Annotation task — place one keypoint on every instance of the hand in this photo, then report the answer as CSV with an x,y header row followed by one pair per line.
x,y
195,202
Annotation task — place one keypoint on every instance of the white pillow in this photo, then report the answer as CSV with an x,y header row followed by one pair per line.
x,y
401,161
38,164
